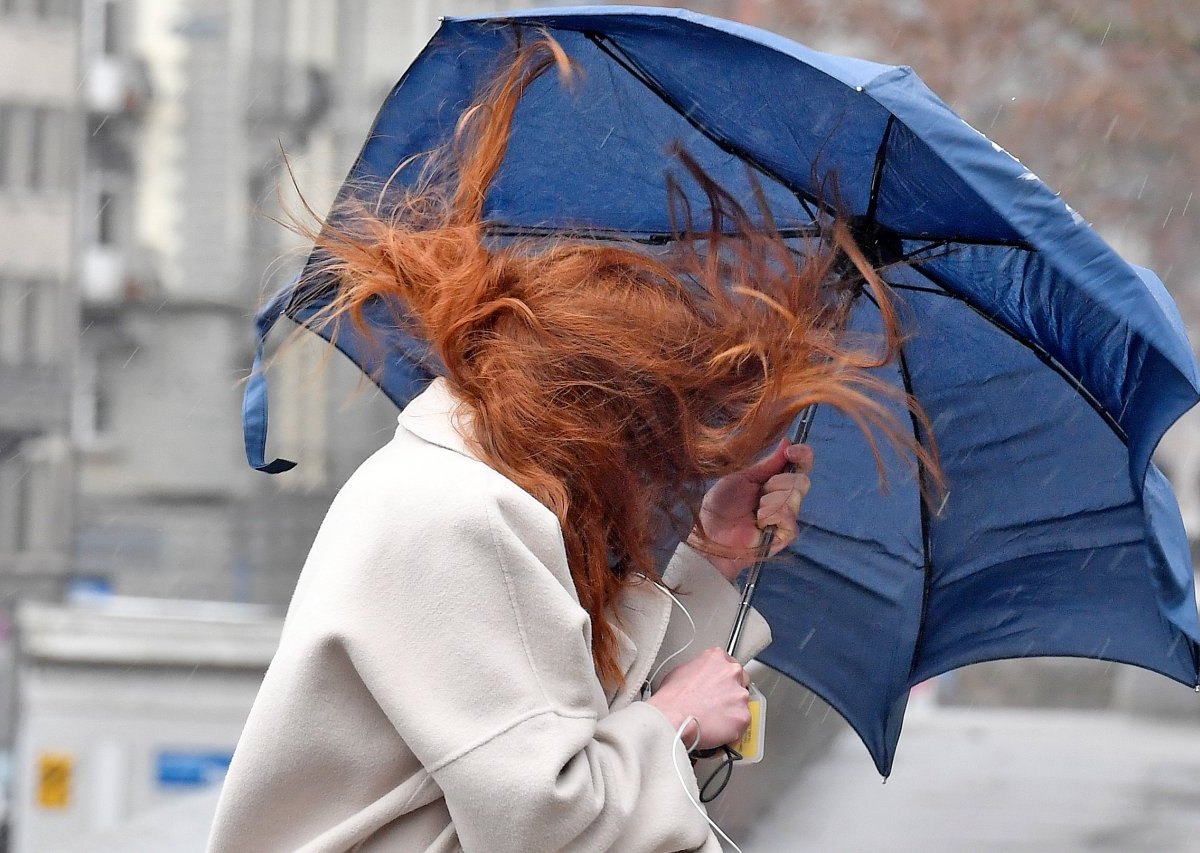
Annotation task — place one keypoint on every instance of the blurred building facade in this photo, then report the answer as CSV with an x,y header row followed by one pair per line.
x,y
185,173
40,138
141,163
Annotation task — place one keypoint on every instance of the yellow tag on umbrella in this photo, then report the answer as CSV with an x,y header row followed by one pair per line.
x,y
751,746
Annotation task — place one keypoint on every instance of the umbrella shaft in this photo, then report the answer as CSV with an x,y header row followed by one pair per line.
x,y
765,541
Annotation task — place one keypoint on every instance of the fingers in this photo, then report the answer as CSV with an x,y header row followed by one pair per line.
x,y
769,465
800,455
781,509
797,482
737,668
782,503
783,495
784,454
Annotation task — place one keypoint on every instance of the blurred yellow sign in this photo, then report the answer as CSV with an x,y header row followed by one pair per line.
x,y
54,779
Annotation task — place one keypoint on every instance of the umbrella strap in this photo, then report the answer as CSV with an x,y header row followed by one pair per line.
x,y
254,403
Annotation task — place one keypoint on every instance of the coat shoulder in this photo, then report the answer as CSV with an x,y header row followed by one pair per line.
x,y
415,503
426,486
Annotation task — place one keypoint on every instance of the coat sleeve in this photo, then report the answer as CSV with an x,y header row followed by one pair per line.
x,y
712,602
464,632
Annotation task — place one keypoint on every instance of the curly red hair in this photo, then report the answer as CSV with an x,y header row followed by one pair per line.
x,y
609,382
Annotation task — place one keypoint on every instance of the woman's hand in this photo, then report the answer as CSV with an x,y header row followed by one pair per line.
x,y
738,506
711,688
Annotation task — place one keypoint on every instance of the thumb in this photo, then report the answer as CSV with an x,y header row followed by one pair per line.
x,y
770,465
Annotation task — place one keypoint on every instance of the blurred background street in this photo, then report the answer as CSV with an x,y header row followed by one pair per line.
x,y
144,568
999,781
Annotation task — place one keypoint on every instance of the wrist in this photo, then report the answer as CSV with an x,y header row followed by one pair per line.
x,y
727,566
686,726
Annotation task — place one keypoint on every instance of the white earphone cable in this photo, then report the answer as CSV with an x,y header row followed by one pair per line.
x,y
686,645
688,720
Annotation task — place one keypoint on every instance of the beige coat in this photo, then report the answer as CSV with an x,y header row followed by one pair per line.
x,y
434,689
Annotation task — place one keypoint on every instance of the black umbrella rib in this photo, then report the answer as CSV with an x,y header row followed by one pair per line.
x,y
877,173
926,535
933,291
613,52
923,492
1036,348
651,238
932,246
986,242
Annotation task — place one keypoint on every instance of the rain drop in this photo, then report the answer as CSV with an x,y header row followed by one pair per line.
x,y
942,506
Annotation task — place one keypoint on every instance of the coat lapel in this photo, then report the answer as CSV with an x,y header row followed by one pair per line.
x,y
643,613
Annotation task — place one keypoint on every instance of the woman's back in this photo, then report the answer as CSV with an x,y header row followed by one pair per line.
x,y
434,685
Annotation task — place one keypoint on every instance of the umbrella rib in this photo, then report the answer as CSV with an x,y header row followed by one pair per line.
x,y
877,174
1045,357
652,238
614,52
909,257
923,506
990,243
915,289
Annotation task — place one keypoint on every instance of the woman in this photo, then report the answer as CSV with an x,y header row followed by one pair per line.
x,y
480,653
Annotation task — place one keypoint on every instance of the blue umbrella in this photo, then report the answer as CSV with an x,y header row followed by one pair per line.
x,y
1049,366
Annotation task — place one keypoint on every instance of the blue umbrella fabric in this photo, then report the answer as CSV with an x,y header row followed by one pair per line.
x,y
1049,366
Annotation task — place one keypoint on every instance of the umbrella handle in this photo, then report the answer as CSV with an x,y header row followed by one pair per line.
x,y
765,541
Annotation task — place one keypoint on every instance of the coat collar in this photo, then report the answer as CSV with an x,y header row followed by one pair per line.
x,y
439,417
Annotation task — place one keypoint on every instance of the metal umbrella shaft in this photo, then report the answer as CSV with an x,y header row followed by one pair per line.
x,y
798,435
766,540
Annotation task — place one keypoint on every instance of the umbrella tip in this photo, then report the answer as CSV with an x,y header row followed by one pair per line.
x,y
883,779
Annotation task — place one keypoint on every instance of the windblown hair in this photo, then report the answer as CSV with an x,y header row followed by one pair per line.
x,y
608,381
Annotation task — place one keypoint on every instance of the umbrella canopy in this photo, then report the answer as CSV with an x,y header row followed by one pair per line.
x,y
1050,367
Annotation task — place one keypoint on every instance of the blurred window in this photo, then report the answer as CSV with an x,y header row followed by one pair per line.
x,y
14,321
15,487
6,133
110,38
106,218
50,161
43,322
16,128
49,10
93,405
27,321
33,147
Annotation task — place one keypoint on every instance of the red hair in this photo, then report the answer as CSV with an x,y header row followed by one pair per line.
x,y
608,382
